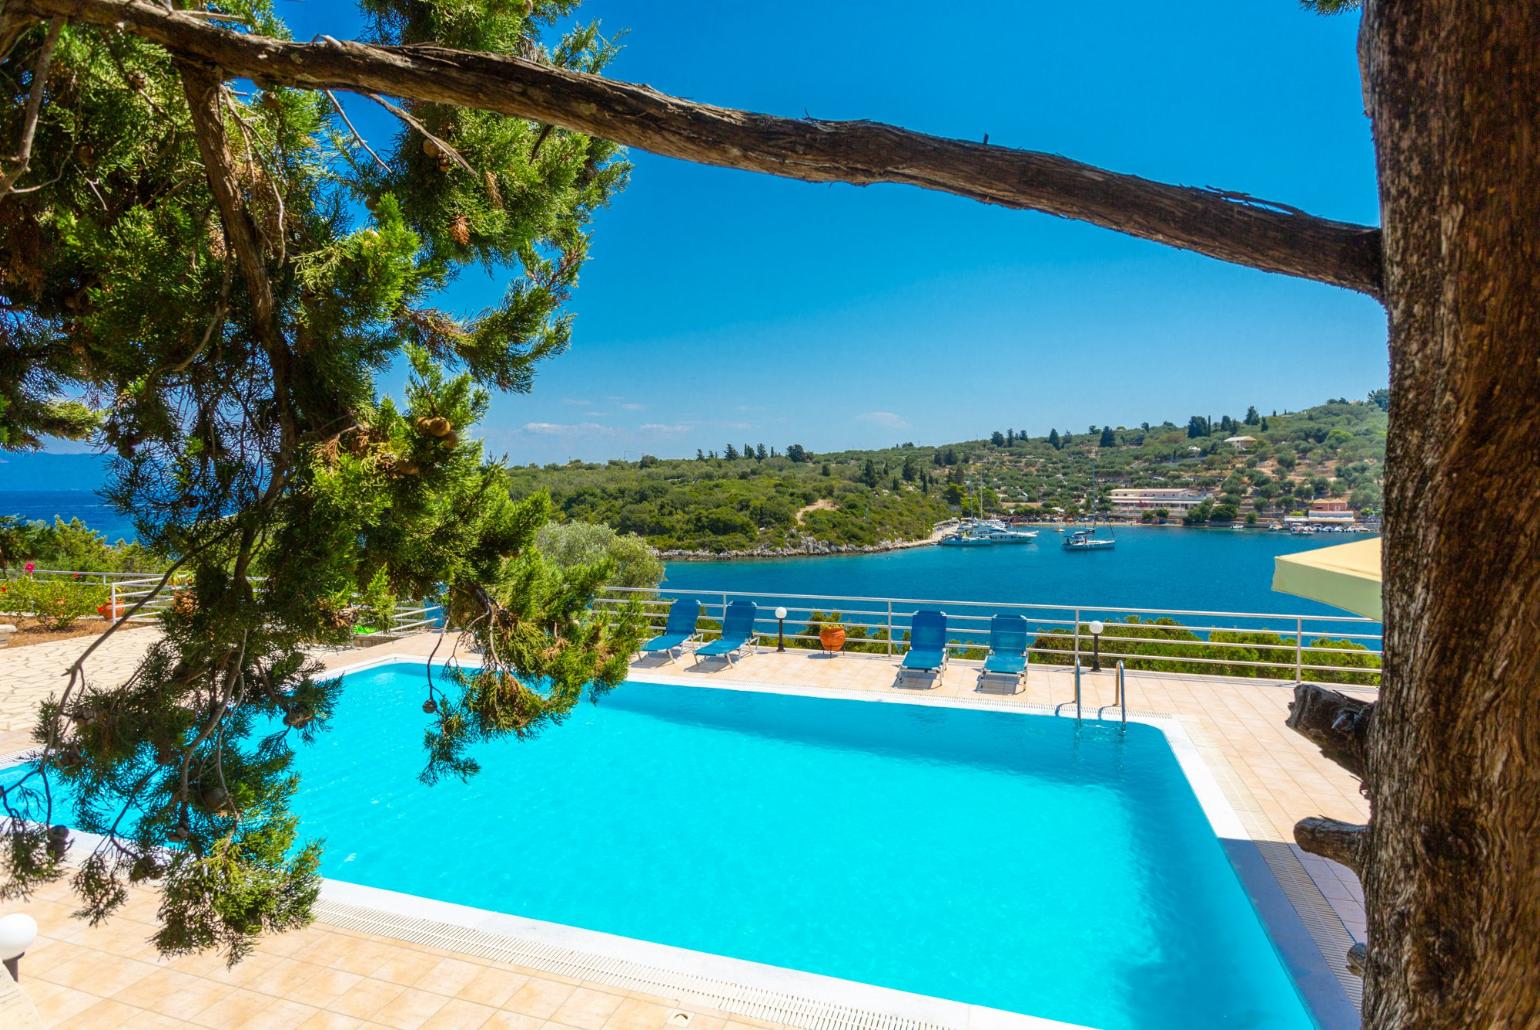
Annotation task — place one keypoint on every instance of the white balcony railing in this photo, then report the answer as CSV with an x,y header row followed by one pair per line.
x,y
1251,644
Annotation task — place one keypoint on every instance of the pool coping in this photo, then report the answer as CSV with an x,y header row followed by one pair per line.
x,y
792,996
1300,952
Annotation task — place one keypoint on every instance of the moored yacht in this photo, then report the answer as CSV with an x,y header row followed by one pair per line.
x,y
1087,540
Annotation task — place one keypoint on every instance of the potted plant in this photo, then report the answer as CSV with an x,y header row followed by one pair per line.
x,y
831,634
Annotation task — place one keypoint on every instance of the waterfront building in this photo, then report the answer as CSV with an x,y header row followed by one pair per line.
x,y
1136,501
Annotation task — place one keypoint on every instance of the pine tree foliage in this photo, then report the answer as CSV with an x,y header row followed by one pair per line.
x,y
238,389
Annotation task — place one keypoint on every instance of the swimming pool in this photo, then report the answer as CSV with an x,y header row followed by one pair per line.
x,y
1003,859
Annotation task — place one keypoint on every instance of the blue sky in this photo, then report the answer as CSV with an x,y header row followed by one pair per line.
x,y
723,306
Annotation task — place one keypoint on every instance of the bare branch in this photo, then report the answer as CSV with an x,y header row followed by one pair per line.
x,y
1331,838
1337,724
406,116
1228,226
23,158
356,134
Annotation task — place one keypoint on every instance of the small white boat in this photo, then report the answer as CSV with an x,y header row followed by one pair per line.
x,y
1087,540
1001,533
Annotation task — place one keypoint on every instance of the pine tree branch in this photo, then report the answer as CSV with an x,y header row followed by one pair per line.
x,y
445,149
202,88
23,159
1223,225
358,136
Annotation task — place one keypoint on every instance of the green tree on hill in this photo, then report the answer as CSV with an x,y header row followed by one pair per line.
x,y
1108,437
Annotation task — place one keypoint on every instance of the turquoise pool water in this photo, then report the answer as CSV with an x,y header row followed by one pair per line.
x,y
1008,860
1000,859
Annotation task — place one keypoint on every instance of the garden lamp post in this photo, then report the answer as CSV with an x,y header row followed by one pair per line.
x,y
1096,645
17,932
780,630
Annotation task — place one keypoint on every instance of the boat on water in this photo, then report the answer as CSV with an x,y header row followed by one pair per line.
x,y
1004,533
982,532
966,537
1087,540
985,532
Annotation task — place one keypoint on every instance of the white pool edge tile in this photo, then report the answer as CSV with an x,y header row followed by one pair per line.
x,y
597,947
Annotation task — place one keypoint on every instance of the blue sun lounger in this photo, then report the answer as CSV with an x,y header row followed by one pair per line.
x,y
927,645
737,633
1007,651
678,631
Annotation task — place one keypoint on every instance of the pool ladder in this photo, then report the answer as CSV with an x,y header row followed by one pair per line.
x,y
1120,702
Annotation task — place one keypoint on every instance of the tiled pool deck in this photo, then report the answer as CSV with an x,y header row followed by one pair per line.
x,y
336,974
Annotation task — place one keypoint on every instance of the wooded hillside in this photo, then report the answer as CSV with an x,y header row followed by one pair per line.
x,y
754,496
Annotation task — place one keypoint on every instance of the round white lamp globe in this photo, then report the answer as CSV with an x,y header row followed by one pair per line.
x,y
17,932
1096,628
780,613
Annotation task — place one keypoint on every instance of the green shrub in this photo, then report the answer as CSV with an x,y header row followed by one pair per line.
x,y
55,602
1165,645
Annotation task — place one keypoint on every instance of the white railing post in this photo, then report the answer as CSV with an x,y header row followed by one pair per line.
x,y
890,627
1077,689
112,602
1299,651
1077,645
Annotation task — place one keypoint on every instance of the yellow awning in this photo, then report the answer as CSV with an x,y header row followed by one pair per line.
x,y
1344,576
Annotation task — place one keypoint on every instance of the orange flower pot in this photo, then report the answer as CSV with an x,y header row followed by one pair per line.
x,y
832,637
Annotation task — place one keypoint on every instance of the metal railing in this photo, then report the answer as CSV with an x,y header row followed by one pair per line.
x,y
126,589
1278,646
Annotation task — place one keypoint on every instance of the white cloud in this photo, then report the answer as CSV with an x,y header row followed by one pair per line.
x,y
631,406
564,428
885,419
664,427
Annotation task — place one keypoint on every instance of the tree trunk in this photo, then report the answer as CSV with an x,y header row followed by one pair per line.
x,y
1453,873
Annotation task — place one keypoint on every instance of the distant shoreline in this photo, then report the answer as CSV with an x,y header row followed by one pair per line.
x,y
815,549
823,550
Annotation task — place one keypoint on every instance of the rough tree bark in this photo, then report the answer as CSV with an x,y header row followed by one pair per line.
x,y
1453,874
1229,226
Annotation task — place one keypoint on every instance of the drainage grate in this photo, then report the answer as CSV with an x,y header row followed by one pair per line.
x,y
1323,923
706,992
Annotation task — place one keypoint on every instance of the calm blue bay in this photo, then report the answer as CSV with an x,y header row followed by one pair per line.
x,y
1151,567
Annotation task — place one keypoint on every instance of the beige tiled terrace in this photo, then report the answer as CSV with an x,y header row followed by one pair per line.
x,y
327,975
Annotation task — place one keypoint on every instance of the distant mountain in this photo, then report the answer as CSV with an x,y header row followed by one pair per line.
x,y
39,470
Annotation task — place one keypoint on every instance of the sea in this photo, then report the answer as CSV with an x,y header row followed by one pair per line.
x,y
1152,567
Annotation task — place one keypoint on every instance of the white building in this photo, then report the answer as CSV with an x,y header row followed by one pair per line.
x,y
1138,500
1324,513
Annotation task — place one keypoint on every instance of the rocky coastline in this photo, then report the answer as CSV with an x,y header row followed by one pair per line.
x,y
807,547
